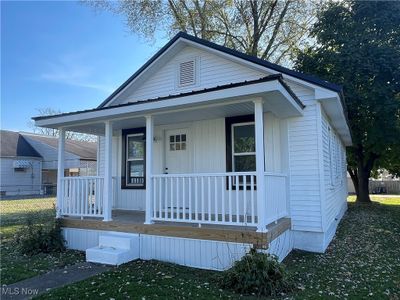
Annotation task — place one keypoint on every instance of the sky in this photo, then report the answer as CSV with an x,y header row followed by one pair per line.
x,y
64,56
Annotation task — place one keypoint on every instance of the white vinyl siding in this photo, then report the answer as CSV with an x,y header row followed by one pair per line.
x,y
334,167
213,70
305,196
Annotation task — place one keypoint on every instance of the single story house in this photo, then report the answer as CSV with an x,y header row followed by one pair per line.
x,y
205,152
28,162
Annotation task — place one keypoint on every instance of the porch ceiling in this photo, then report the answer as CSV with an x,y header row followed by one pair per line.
x,y
232,100
188,115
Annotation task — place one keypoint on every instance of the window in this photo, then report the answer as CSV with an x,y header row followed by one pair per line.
x,y
177,142
335,157
134,162
187,73
243,147
240,147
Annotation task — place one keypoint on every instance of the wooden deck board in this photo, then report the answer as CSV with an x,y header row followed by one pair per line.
x,y
132,222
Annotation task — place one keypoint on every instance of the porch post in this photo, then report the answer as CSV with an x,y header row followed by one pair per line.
x,y
149,168
259,135
60,170
107,189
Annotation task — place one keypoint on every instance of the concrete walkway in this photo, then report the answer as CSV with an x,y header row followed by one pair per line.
x,y
34,286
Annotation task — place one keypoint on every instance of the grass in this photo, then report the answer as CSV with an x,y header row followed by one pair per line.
x,y
15,266
363,261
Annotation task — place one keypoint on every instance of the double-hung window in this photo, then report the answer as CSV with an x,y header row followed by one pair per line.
x,y
243,147
134,162
240,148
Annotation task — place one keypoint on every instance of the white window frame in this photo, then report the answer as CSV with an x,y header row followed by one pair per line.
x,y
127,160
233,154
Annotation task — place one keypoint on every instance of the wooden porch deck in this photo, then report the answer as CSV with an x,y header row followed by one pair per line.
x,y
132,222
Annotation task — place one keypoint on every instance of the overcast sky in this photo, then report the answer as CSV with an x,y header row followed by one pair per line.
x,y
62,55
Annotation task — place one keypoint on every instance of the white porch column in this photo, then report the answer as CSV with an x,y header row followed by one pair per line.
x,y
259,135
149,168
60,170
107,189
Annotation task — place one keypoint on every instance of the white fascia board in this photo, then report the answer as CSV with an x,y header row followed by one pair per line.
x,y
151,107
340,124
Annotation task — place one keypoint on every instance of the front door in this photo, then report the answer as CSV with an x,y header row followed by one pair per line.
x,y
177,154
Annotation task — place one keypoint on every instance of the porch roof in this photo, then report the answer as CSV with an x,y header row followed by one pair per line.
x,y
278,97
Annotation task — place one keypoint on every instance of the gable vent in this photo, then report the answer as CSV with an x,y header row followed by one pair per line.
x,y
187,74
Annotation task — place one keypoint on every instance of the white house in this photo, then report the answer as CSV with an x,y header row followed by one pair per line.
x,y
204,153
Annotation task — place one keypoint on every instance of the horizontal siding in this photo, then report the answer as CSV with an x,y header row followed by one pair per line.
x,y
27,182
214,70
335,188
305,196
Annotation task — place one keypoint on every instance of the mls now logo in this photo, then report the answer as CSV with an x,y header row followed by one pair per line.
x,y
19,291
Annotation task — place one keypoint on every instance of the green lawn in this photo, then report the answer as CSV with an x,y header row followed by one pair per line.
x,y
363,261
14,266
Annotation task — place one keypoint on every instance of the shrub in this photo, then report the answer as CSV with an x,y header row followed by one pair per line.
x,y
256,273
45,237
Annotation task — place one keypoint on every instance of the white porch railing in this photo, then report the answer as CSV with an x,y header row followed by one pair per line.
x,y
215,198
276,187
81,196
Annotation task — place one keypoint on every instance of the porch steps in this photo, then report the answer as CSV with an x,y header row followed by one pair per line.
x,y
114,249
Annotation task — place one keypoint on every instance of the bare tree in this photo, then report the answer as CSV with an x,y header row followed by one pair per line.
x,y
54,132
270,29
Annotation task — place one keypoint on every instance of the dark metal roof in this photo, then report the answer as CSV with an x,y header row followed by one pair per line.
x,y
85,150
250,58
12,144
277,77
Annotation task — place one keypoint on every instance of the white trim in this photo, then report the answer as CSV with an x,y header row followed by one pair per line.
x,y
321,169
60,170
260,164
107,189
149,168
251,90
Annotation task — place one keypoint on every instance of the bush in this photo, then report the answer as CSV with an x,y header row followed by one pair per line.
x,y
256,273
34,238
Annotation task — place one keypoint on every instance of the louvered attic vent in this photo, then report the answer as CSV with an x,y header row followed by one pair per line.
x,y
187,75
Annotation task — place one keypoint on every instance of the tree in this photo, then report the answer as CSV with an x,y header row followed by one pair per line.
x,y
269,29
54,132
358,46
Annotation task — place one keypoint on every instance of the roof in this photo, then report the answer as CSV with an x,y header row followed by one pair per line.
x,y
12,144
85,150
249,58
277,77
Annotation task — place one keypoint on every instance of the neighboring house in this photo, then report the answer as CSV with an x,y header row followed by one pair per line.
x,y
205,152
20,165
80,156
38,175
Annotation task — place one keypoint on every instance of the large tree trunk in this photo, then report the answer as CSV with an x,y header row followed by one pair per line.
x,y
360,175
363,186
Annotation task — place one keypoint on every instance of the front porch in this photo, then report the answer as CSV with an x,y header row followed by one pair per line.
x,y
210,158
133,222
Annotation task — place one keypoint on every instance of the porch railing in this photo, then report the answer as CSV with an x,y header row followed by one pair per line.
x,y
82,196
215,198
276,190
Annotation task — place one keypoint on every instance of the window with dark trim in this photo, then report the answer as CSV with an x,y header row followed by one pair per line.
x,y
133,165
240,145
